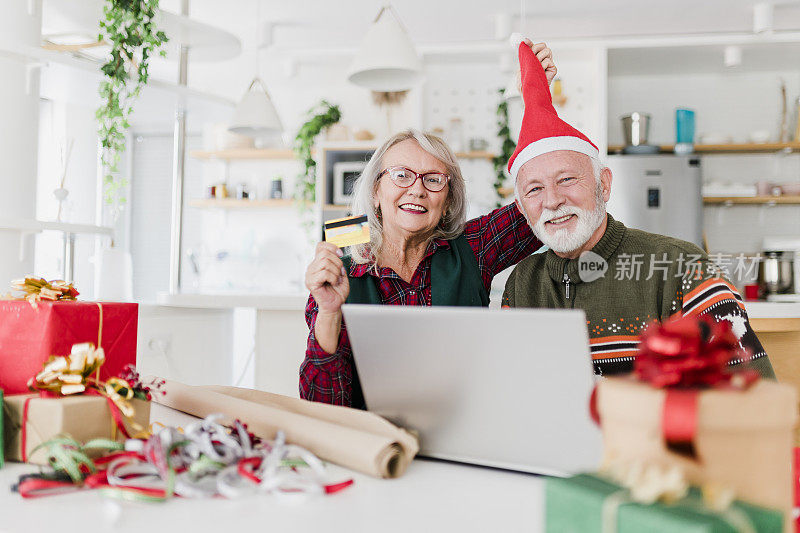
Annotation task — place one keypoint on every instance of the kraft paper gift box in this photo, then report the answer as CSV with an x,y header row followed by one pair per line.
x,y
29,335
82,417
743,439
2,435
576,505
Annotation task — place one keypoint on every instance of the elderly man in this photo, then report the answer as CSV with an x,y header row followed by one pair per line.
x,y
621,277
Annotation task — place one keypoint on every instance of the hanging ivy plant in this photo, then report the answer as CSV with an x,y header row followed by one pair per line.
x,y
507,145
128,26
320,117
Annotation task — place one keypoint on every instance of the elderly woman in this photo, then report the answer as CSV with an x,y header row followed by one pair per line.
x,y
421,252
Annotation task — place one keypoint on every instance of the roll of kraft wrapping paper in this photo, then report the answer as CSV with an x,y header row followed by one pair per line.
x,y
355,439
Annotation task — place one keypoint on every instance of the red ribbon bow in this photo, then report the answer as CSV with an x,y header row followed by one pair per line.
x,y
689,354
683,356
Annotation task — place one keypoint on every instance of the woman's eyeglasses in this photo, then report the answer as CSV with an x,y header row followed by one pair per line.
x,y
405,177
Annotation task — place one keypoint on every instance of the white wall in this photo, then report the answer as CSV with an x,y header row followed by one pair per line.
x,y
189,345
62,121
734,104
19,105
735,229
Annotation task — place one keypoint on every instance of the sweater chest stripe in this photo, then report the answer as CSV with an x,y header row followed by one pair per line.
x,y
708,284
710,302
614,338
717,289
759,355
614,360
614,346
614,355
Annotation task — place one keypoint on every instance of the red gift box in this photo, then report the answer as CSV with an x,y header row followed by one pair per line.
x,y
28,336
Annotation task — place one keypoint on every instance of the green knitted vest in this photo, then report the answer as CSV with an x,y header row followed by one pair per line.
x,y
455,281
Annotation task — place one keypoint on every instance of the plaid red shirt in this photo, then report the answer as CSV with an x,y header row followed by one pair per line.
x,y
499,240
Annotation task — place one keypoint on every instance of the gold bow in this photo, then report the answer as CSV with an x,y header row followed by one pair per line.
x,y
36,289
69,374
72,374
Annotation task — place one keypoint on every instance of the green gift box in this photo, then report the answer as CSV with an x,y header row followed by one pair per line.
x,y
575,505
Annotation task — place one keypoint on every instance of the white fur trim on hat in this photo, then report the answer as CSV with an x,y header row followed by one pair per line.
x,y
516,39
552,144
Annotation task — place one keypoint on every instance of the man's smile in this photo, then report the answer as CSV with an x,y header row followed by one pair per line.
x,y
561,220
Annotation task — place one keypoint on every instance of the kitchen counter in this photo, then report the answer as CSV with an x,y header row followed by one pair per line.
x,y
262,337
271,302
297,302
269,329
773,309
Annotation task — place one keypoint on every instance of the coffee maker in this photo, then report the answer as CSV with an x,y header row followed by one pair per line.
x,y
779,269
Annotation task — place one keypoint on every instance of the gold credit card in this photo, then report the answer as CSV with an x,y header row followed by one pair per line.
x,y
347,231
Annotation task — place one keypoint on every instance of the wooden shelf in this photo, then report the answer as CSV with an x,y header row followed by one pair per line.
x,y
747,148
476,155
234,203
244,153
505,192
751,200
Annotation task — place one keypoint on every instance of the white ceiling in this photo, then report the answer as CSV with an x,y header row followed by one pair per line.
x,y
326,24
342,23
315,23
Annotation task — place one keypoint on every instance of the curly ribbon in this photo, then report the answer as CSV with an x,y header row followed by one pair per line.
x,y
648,484
205,460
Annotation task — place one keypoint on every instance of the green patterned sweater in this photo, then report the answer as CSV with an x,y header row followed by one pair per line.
x,y
649,277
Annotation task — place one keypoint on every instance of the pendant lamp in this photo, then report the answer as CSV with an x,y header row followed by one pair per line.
x,y
512,94
255,116
386,60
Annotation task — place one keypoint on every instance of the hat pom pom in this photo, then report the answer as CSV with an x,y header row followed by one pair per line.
x,y
516,39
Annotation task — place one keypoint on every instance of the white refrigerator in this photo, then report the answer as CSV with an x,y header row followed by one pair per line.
x,y
658,193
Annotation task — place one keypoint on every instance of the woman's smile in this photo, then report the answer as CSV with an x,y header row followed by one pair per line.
x,y
416,209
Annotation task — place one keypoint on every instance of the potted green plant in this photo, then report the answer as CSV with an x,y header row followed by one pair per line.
x,y
507,145
320,116
128,27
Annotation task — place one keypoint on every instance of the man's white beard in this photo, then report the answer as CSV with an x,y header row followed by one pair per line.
x,y
565,240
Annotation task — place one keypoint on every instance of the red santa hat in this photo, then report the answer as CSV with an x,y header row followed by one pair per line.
x,y
542,131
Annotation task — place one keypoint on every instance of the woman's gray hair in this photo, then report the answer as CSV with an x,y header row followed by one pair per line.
x,y
365,187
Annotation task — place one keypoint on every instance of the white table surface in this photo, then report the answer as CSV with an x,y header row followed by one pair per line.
x,y
430,496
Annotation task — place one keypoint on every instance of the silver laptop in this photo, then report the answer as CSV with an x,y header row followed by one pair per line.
x,y
505,388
